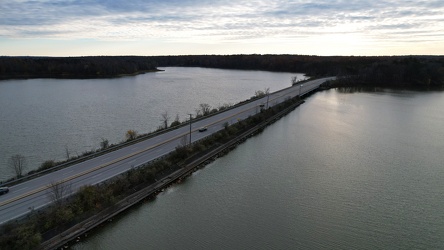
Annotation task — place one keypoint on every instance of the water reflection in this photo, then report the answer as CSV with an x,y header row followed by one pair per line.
x,y
364,173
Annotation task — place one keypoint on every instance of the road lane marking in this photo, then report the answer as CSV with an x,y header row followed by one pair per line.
x,y
68,172
105,159
20,189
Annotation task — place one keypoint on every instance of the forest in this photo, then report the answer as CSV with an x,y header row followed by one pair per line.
x,y
409,72
372,71
311,65
385,71
73,67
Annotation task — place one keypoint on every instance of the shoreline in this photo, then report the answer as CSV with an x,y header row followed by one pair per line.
x,y
76,77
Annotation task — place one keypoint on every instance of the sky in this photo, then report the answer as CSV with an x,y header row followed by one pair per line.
x,y
196,27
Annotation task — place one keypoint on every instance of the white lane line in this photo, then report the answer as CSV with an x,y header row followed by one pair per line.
x,y
20,189
105,159
69,172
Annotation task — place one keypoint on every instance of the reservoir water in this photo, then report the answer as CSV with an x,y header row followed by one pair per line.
x,y
342,171
42,119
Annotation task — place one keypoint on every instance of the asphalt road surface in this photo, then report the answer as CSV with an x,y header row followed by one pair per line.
x,y
34,194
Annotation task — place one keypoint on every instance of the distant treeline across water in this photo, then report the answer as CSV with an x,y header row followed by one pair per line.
x,y
73,67
394,71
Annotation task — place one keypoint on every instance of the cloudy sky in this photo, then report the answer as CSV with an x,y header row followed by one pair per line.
x,y
182,27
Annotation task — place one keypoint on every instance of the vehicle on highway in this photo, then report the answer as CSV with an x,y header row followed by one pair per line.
x,y
4,190
203,129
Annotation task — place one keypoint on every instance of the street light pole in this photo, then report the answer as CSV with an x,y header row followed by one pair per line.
x,y
300,86
190,129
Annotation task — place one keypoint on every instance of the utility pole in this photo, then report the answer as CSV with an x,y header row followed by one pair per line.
x,y
300,86
268,96
190,129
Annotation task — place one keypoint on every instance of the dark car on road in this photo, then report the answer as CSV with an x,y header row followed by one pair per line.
x,y
203,129
3,190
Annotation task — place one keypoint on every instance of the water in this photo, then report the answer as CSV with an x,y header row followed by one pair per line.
x,y
343,171
41,118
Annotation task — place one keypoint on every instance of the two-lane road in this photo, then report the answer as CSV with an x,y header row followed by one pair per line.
x,y
33,194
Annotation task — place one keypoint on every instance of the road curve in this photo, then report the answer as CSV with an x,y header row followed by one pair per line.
x,y
33,194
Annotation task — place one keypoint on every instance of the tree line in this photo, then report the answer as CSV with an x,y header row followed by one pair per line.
x,y
311,65
382,71
73,67
408,72
385,71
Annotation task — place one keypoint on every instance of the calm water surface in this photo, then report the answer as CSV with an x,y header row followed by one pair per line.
x,y
343,171
40,118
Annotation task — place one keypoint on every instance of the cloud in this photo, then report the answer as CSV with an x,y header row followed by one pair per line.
x,y
216,20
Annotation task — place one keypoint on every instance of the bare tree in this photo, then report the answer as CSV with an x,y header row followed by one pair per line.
x,y
67,152
261,93
176,121
165,119
294,80
198,112
205,108
57,191
104,143
17,163
131,134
